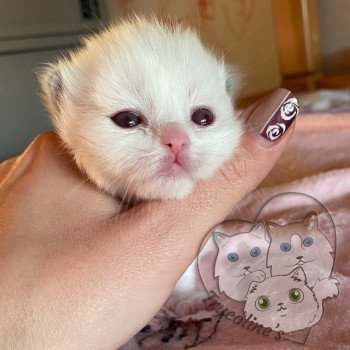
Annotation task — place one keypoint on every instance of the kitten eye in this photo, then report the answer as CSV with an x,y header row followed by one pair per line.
x,y
285,247
263,303
202,117
308,241
233,257
295,295
255,252
126,119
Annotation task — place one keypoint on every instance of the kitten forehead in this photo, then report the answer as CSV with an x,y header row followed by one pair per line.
x,y
145,65
244,241
294,228
245,237
272,284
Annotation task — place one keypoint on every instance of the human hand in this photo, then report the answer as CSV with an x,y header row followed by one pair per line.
x,y
74,275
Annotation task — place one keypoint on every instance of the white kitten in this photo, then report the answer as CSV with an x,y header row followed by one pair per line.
x,y
145,109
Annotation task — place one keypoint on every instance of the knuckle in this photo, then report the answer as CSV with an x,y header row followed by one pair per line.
x,y
47,138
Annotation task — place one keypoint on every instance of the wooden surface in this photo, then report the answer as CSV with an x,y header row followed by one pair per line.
x,y
297,36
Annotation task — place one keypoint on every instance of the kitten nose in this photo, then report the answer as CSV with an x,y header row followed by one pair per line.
x,y
175,139
280,304
246,268
299,257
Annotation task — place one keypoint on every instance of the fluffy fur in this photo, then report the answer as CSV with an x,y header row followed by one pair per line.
x,y
163,73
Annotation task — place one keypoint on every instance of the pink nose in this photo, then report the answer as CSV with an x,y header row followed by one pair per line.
x,y
175,139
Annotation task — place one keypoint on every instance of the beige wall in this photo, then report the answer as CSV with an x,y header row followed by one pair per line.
x,y
334,19
242,30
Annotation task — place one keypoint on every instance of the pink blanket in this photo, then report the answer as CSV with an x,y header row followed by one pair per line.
x,y
316,163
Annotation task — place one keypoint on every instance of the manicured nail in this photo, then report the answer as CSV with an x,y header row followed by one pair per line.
x,y
272,116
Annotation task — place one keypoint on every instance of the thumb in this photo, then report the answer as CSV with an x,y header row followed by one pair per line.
x,y
269,125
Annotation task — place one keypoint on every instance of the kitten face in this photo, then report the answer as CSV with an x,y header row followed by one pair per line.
x,y
284,303
242,253
300,244
160,75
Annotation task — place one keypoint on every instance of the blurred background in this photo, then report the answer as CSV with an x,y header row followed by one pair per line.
x,y
303,45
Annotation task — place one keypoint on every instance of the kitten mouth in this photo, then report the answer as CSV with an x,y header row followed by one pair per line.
x,y
172,166
283,315
174,170
244,274
300,263
282,308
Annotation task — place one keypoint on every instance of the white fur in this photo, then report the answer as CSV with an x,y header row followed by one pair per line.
x,y
161,72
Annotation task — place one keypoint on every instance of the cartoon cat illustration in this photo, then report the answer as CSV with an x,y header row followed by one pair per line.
x,y
300,244
241,260
286,303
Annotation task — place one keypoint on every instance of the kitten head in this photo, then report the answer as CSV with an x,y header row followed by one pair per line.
x,y
242,253
283,303
299,244
145,109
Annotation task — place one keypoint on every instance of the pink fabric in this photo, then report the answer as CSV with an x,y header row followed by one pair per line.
x,y
316,163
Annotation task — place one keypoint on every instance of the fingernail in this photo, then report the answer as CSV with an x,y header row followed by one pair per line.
x,y
272,116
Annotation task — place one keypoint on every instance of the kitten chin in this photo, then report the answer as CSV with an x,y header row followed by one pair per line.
x,y
168,188
162,188
145,109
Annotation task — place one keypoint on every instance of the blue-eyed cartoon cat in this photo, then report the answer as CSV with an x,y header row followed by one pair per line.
x,y
300,244
241,260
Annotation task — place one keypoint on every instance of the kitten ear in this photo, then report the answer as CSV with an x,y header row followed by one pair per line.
x,y
259,230
52,87
233,80
272,230
311,220
298,274
220,239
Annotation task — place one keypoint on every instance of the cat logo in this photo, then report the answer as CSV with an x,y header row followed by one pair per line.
x,y
277,272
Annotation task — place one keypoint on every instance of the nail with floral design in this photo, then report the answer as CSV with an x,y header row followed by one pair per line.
x,y
281,119
273,115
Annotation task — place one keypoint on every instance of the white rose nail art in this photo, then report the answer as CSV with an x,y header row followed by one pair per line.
x,y
282,118
273,132
290,109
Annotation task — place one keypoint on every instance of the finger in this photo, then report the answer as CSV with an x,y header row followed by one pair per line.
x,y
266,136
5,169
45,179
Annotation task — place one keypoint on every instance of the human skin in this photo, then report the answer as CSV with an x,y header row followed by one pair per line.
x,y
74,274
